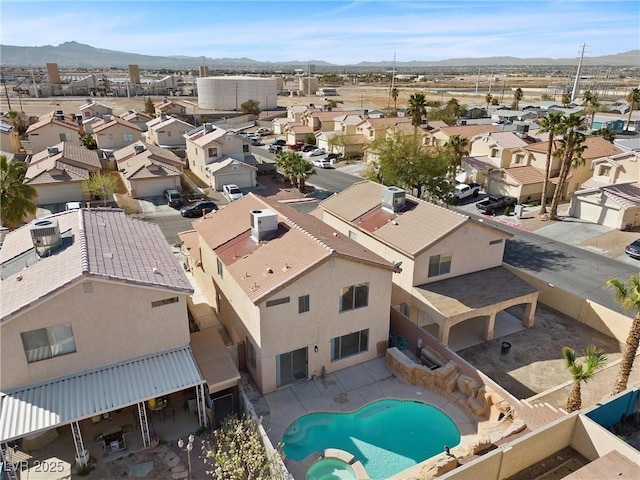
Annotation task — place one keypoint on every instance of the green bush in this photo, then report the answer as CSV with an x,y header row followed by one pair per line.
x,y
507,211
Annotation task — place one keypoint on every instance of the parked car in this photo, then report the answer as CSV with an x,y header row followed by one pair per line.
x,y
256,142
317,152
232,192
263,132
307,147
280,142
321,163
463,190
275,148
173,198
296,146
334,156
196,196
198,209
492,205
633,250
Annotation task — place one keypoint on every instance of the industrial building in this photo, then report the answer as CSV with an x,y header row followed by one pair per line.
x,y
229,93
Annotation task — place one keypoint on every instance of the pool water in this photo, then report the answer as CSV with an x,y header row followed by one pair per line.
x,y
387,436
331,469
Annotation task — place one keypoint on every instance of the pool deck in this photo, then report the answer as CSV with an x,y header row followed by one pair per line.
x,y
345,391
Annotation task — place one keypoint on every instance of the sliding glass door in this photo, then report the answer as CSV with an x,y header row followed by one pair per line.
x,y
291,367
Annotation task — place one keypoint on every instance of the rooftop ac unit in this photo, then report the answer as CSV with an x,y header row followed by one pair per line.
x,y
45,234
393,199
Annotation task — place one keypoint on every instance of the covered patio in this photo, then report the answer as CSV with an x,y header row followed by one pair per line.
x,y
439,306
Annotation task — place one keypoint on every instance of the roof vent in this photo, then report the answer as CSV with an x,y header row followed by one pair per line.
x,y
208,127
522,130
45,234
138,148
393,199
52,151
263,224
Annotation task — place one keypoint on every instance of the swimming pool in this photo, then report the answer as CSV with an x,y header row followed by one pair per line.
x,y
331,469
387,436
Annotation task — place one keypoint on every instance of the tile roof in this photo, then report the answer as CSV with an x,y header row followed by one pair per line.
x,y
410,231
626,195
388,121
51,118
107,123
599,147
98,243
71,163
202,138
614,160
94,104
480,163
525,175
508,139
302,243
150,150
162,123
468,131
301,129
225,162
133,116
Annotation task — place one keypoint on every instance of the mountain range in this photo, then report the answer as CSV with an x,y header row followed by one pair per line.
x,y
77,55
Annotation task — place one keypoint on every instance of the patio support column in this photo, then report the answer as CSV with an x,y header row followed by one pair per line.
x,y
81,453
202,412
443,332
530,314
489,329
144,425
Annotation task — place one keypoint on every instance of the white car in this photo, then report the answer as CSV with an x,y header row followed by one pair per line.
x,y
322,163
232,192
317,152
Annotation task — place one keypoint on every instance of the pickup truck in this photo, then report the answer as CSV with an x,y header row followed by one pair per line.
x,y
463,190
491,205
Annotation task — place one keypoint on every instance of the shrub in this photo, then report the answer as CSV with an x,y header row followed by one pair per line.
x,y
507,211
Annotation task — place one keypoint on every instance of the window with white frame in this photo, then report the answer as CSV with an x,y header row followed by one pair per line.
x,y
48,342
213,152
605,170
350,344
440,264
519,158
354,296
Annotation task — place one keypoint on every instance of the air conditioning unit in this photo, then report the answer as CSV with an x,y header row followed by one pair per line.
x,y
393,199
45,234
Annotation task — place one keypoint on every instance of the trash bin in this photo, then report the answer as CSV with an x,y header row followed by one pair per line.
x,y
505,348
519,210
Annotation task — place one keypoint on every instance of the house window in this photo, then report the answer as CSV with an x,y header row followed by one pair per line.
x,y
127,137
303,304
251,353
355,296
48,342
65,137
350,344
213,152
439,264
219,265
277,301
605,170
166,301
495,242
519,158
169,133
353,235
245,148
494,152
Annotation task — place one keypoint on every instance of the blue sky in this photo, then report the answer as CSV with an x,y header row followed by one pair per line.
x,y
335,31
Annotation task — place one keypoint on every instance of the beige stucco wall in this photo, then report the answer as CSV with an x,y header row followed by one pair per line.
x,y
228,146
49,135
111,138
96,110
594,441
481,148
111,324
170,134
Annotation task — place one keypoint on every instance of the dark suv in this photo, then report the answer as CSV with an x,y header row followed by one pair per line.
x,y
173,198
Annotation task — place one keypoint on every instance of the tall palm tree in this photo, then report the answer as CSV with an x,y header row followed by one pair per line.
x,y
286,161
591,103
395,92
627,295
518,95
303,170
552,124
417,108
606,133
487,98
595,359
633,97
571,148
459,148
566,99
17,200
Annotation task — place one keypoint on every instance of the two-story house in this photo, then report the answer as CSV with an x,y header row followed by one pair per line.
x,y
112,133
304,298
137,118
51,129
93,320
449,266
168,132
148,170
220,157
95,109
58,173
611,197
170,107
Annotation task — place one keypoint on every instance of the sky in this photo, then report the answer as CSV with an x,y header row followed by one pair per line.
x,y
335,31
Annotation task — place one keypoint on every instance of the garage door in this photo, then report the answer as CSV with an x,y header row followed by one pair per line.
x,y
607,216
153,187
243,180
65,192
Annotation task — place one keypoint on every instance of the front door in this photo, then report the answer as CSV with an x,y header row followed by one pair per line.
x,y
291,367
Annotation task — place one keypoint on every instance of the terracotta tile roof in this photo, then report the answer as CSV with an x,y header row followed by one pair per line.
x,y
150,150
525,175
598,147
410,231
626,195
302,243
202,138
97,243
324,116
162,123
432,124
388,121
301,129
133,116
350,119
105,124
468,131
94,104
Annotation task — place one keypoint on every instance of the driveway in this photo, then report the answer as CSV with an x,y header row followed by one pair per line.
x,y
156,210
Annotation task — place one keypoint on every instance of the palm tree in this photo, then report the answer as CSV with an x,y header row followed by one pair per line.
x,y
606,133
395,92
417,108
571,148
303,170
17,200
285,161
488,97
591,105
566,99
551,124
459,148
517,96
633,97
627,295
595,359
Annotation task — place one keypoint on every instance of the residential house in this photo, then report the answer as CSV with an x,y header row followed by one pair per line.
x,y
611,197
303,298
59,172
510,116
9,139
148,170
344,138
51,129
112,133
612,123
278,125
296,133
437,275
137,118
93,321
441,135
219,157
170,107
168,132
95,109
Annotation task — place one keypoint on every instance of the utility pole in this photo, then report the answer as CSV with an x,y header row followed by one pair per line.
x,y
574,92
393,80
477,80
6,93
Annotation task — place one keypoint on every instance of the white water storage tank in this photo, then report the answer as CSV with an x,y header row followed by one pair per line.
x,y
229,93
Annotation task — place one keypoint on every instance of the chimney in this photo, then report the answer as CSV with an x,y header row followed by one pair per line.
x,y
263,224
393,199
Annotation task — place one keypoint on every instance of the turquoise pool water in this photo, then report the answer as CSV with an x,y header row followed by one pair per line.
x,y
331,469
387,436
